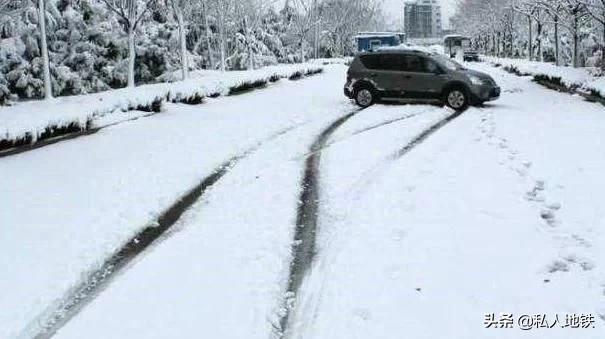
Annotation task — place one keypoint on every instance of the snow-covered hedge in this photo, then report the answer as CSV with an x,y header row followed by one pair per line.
x,y
28,122
582,80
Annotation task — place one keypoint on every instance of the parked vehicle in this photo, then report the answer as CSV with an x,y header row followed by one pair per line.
x,y
411,74
455,44
372,41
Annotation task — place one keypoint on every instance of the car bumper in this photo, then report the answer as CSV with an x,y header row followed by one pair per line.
x,y
486,93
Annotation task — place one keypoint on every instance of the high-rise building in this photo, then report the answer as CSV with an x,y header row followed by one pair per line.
x,y
422,19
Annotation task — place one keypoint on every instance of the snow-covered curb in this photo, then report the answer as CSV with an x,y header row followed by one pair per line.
x,y
26,123
581,81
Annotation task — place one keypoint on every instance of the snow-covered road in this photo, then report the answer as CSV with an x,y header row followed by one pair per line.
x,y
498,211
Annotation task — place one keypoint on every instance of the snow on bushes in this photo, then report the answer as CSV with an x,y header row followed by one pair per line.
x,y
29,122
584,80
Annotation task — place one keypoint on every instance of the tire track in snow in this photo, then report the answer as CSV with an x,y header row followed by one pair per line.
x,y
56,316
425,135
304,243
303,247
362,131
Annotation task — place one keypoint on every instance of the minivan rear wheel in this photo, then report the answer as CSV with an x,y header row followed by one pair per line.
x,y
457,99
365,96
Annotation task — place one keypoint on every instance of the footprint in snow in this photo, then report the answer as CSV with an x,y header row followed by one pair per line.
x,y
558,266
362,313
585,264
549,216
535,194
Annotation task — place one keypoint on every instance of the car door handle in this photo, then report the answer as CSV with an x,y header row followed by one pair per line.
x,y
373,75
407,76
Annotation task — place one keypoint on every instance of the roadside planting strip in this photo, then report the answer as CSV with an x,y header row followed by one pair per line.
x,y
59,314
86,131
303,246
60,138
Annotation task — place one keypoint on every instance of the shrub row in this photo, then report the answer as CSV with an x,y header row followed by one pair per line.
x,y
556,83
185,94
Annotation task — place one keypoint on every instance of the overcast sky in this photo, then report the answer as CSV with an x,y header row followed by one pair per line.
x,y
396,7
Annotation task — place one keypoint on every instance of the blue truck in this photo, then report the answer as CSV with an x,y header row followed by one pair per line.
x,y
371,41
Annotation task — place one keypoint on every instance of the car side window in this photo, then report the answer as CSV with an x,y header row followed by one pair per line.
x,y
414,63
370,61
431,67
391,62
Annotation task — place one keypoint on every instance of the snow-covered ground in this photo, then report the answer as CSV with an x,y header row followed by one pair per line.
x,y
497,212
582,78
66,207
32,118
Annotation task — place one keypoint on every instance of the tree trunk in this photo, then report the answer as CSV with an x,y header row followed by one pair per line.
x,y
208,39
222,41
494,45
183,43
575,42
249,45
302,50
557,62
539,38
603,48
48,94
131,57
531,40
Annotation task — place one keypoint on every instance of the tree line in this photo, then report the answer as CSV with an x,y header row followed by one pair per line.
x,y
565,32
64,47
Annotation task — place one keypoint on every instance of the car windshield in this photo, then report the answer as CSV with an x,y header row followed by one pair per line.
x,y
449,63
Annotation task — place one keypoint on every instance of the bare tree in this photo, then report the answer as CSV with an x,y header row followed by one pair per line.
x,y
205,13
572,15
183,9
223,9
596,9
534,13
305,21
48,93
130,12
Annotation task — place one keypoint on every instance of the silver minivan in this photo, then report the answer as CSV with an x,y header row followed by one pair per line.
x,y
401,74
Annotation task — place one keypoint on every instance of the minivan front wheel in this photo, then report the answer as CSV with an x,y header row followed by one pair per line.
x,y
365,97
457,99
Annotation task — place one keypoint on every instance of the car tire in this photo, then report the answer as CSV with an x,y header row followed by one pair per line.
x,y
365,96
457,98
